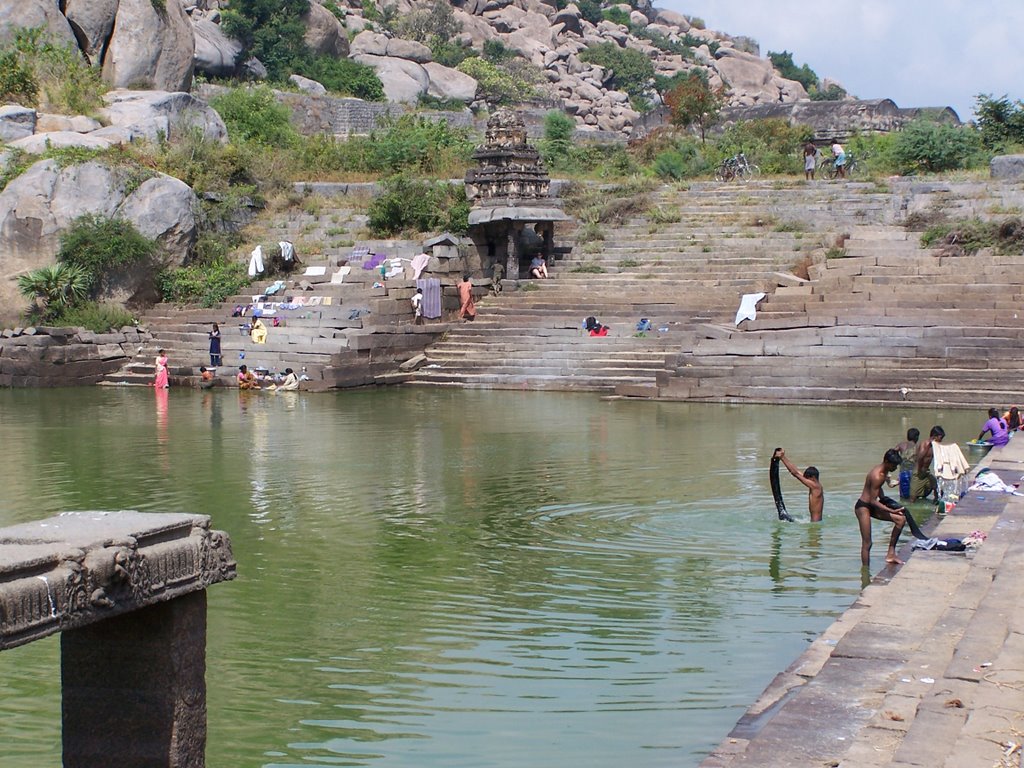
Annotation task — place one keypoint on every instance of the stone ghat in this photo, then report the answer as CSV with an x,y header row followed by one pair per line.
x,y
58,357
926,668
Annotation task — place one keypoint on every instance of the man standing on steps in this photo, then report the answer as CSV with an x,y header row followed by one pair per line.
x,y
811,155
840,159
874,504
923,482
467,309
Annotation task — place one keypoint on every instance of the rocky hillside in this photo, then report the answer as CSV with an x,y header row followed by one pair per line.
x,y
163,43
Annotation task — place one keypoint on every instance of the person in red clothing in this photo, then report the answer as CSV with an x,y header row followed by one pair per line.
x,y
594,328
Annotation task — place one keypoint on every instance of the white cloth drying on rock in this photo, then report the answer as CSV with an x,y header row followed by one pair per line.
x,y
748,307
256,261
287,250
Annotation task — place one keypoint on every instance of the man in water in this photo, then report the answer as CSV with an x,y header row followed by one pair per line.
x,y
908,454
874,504
809,477
923,482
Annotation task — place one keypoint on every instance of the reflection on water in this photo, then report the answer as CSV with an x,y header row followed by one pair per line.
x,y
432,578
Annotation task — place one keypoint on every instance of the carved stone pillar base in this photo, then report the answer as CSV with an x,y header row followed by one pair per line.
x,y
134,688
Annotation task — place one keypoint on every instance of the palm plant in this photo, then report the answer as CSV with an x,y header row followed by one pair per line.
x,y
52,289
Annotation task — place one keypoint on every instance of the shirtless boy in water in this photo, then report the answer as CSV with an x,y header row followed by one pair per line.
x,y
809,477
873,503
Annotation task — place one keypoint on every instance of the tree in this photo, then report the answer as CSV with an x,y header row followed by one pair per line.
x,y
694,102
784,65
934,147
1000,121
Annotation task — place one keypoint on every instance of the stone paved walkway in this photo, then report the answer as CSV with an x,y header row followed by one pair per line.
x,y
925,669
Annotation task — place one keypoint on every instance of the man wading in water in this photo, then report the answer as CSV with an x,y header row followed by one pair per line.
x,y
809,477
872,503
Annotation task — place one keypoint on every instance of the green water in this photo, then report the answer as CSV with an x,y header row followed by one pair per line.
x,y
448,578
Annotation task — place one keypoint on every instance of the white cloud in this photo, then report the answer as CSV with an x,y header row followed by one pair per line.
x,y
916,52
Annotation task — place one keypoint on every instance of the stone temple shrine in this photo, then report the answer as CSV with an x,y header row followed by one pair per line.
x,y
513,215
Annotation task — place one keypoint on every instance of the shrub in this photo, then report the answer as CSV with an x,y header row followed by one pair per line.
x,y
95,316
773,144
426,24
971,235
832,93
205,284
694,102
1000,121
270,30
784,65
411,205
54,288
496,52
253,114
36,72
342,76
556,145
590,10
496,85
933,147
615,15
99,245
632,71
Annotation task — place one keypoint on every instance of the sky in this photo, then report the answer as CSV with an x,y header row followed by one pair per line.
x,y
919,53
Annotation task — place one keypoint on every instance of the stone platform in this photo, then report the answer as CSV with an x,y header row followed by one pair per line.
x,y
925,669
127,592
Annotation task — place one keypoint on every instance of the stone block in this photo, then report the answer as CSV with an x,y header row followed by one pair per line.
x,y
1007,167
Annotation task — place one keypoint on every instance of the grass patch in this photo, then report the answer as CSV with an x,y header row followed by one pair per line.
x,y
589,269
628,263
790,226
835,253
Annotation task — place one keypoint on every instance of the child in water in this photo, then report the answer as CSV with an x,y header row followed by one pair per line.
x,y
810,478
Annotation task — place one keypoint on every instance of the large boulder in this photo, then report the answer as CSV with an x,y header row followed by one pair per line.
x,y
749,77
216,54
16,122
92,22
448,83
37,206
150,114
368,43
43,14
1007,167
40,142
324,33
409,49
403,80
151,46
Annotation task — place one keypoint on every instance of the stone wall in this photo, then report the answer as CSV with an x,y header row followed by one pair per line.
x,y
60,357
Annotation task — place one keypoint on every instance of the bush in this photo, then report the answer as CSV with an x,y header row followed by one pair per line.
x,y
784,65
773,144
253,114
427,24
556,145
95,316
53,289
411,205
497,85
590,10
632,71
270,30
99,245
38,73
496,52
616,16
342,76
205,284
832,93
1000,122
933,147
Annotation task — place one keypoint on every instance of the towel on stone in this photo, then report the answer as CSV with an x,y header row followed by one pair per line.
x,y
431,296
948,462
314,271
338,277
287,250
419,263
748,307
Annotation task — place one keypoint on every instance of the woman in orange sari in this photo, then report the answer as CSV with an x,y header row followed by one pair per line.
x,y
467,309
160,379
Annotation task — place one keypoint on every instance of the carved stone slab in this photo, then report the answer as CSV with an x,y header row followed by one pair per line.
x,y
80,567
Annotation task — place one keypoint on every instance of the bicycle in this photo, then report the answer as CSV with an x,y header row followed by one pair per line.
x,y
736,167
829,170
